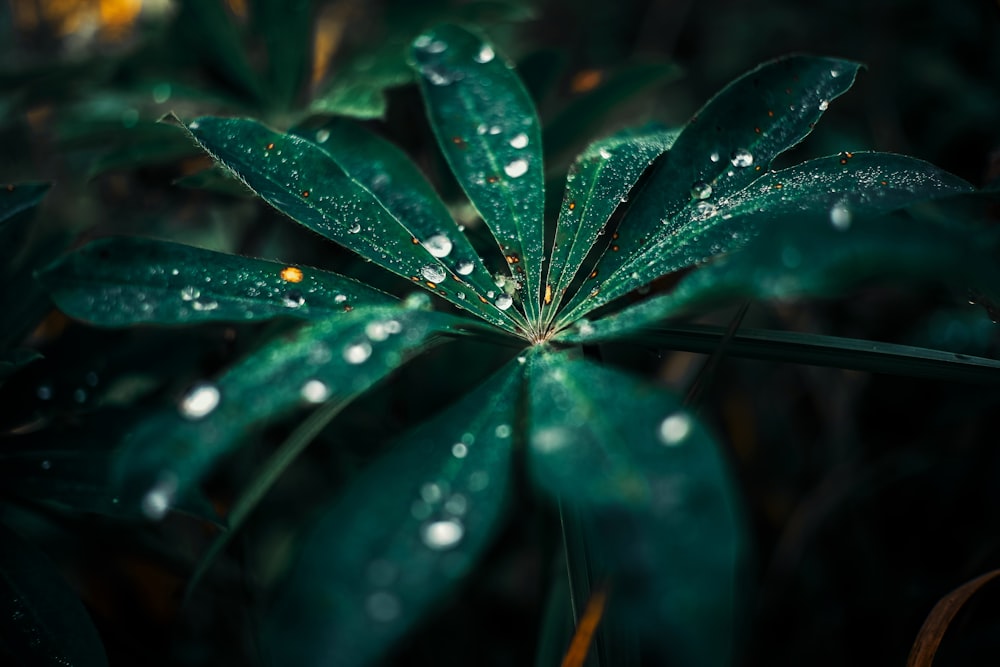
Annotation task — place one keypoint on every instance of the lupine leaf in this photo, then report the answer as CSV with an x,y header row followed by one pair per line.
x,y
402,535
728,144
125,281
655,493
334,359
301,179
487,128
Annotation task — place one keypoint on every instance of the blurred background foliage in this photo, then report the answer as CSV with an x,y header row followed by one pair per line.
x,y
871,496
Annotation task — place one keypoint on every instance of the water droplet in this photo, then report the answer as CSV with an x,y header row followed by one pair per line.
x,y
431,493
322,136
495,129
422,41
485,55
605,153
80,396
550,439
46,465
674,429
193,125
382,606
516,168
834,73
714,157
158,499
705,210
440,535
701,190
205,304
354,229
741,157
438,245
358,353
293,299
433,273
840,216
824,105
464,268
417,301
340,298
200,400
503,302
379,331
519,140
190,293
459,450
437,46
44,392
478,481
315,391
502,431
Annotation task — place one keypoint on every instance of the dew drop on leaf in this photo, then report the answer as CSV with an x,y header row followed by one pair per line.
x,y
464,268
519,140
293,299
200,400
438,245
322,136
705,210
354,229
440,535
840,216
674,429
714,157
433,273
205,304
503,302
190,293
605,153
158,499
358,353
701,190
315,391
741,157
459,450
516,168
824,105
485,55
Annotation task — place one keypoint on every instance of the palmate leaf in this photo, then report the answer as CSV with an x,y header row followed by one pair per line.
x,y
125,281
402,534
801,256
488,130
44,622
727,145
334,359
358,87
598,181
654,493
303,181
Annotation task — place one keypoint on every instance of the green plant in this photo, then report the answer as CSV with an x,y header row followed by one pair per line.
x,y
642,491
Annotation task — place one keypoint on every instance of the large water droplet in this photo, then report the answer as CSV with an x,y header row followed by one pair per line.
x,y
741,157
293,299
190,293
322,136
705,210
315,391
200,400
433,273
440,535
516,168
714,157
464,268
840,216
824,105
701,190
503,302
674,429
354,229
438,245
204,304
519,140
485,55
358,353
158,499
459,450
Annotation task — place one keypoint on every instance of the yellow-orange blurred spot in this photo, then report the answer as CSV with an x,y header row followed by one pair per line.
x,y
238,7
585,80
291,274
548,294
585,629
330,24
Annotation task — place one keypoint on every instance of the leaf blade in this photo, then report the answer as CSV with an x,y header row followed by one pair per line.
x,y
488,130
127,281
403,533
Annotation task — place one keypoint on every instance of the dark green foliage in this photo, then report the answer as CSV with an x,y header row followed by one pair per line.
x,y
540,450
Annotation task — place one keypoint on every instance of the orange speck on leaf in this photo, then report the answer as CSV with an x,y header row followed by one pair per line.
x,y
548,294
291,274
586,80
572,205
270,146
305,193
